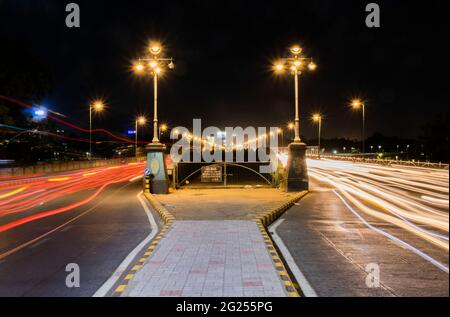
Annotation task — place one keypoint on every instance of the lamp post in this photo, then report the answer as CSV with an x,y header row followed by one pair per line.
x,y
296,169
280,131
296,64
96,106
318,118
141,120
155,65
162,128
358,104
291,127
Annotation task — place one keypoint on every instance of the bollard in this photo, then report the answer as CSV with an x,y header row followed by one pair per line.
x,y
146,184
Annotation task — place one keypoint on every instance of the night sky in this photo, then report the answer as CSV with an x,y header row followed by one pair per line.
x,y
223,52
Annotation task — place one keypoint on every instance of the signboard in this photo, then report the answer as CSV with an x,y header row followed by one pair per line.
x,y
147,172
211,174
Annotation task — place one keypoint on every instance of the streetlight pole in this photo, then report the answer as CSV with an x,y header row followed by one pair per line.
x,y
90,131
96,106
296,64
135,138
155,109
139,121
358,104
318,118
297,119
296,169
364,128
155,67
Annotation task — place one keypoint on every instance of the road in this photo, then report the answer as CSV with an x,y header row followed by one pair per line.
x,y
358,215
91,217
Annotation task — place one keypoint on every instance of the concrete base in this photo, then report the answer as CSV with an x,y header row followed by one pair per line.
x,y
296,169
159,179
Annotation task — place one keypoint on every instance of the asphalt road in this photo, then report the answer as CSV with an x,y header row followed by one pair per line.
x,y
96,235
358,216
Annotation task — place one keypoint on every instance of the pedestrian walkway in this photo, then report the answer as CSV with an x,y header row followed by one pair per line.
x,y
209,258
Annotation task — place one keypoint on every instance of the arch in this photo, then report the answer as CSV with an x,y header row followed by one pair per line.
x,y
229,164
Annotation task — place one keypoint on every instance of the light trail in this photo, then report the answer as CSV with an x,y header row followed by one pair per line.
x,y
16,202
413,199
71,125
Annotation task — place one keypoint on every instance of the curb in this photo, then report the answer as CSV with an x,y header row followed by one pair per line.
x,y
269,216
263,220
168,219
165,215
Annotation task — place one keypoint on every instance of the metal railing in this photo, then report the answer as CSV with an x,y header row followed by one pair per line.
x,y
56,167
387,162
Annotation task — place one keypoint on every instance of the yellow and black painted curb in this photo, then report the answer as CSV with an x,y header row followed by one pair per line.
x,y
165,215
168,219
263,220
269,216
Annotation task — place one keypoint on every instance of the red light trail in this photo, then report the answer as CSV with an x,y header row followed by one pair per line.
x,y
71,125
16,199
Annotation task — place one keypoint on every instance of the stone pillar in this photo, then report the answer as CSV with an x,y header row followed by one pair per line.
x,y
159,180
296,169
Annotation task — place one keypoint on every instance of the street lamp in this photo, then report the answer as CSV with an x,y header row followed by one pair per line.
x,y
162,128
154,65
296,169
280,131
318,118
96,106
296,63
358,104
141,120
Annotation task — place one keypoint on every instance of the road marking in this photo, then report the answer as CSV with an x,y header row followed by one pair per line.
x,y
67,228
393,238
136,178
305,286
39,243
104,289
11,193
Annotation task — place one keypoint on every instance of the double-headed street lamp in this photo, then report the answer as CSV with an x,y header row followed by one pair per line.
x,y
296,63
96,106
358,104
141,120
318,118
154,65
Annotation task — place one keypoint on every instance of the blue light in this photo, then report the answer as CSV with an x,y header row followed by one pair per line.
x,y
39,113
130,132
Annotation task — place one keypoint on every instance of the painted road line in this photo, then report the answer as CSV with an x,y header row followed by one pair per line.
x,y
167,218
303,282
105,288
39,243
424,256
140,263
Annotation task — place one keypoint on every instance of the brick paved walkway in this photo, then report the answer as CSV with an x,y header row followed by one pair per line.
x,y
209,258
